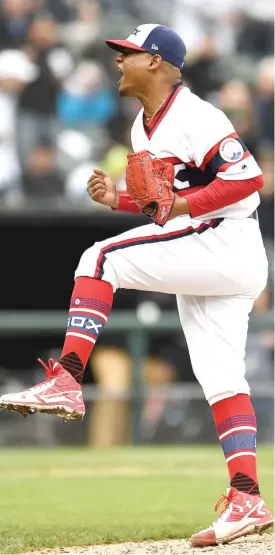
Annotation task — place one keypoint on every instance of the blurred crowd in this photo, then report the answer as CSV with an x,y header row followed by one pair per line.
x,y
61,116
60,112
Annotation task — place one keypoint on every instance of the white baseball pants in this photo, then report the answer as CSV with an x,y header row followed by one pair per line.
x,y
216,268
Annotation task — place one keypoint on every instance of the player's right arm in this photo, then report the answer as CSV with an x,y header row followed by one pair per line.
x,y
102,189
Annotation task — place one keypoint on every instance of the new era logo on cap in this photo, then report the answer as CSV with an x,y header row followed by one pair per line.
x,y
155,39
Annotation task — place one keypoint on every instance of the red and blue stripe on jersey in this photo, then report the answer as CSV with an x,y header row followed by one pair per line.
x,y
212,164
192,181
135,241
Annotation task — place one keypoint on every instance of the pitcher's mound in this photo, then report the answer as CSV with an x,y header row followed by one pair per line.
x,y
252,545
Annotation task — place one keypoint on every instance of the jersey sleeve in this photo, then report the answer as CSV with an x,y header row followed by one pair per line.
x,y
125,203
217,151
216,148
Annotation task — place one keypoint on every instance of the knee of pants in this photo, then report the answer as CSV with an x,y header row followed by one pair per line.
x,y
221,381
88,266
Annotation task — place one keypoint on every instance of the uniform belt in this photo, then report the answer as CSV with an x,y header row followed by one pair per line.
x,y
254,215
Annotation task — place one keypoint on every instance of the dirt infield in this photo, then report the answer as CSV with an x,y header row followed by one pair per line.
x,y
254,545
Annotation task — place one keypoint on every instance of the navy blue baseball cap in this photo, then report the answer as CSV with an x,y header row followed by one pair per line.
x,y
155,39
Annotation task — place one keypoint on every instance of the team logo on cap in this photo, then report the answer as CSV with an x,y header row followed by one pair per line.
x,y
231,150
136,31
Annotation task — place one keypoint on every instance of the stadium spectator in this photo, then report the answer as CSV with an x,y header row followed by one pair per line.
x,y
236,100
86,98
204,74
266,208
256,33
15,16
83,28
265,100
61,10
16,71
37,102
40,178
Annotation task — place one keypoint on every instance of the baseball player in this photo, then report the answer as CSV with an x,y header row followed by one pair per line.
x,y
193,176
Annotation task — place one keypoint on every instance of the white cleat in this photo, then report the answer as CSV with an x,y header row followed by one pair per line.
x,y
243,514
58,394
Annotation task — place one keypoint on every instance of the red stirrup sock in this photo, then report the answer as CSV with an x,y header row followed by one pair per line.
x,y
236,427
90,307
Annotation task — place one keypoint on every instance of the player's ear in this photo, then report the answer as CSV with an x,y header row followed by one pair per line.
x,y
155,61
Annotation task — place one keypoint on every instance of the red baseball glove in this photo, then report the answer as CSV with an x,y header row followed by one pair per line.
x,y
149,184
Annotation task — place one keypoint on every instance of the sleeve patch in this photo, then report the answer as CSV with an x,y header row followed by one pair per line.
x,y
231,150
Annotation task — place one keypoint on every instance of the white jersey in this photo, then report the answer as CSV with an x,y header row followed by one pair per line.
x,y
202,144
216,266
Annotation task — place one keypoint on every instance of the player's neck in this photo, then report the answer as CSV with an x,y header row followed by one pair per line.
x,y
152,100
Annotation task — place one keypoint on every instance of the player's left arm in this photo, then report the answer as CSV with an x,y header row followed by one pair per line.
x,y
236,174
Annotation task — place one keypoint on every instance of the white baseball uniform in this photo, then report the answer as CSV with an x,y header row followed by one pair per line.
x,y
214,263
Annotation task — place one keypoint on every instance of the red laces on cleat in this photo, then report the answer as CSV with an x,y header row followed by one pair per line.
x,y
224,499
227,499
50,371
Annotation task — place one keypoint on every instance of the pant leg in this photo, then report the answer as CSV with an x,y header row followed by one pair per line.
x,y
216,330
186,256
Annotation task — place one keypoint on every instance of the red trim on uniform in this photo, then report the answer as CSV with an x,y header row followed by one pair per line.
x,y
221,193
227,165
161,113
172,160
98,263
138,240
125,44
189,190
83,332
249,431
134,240
252,451
125,203
215,149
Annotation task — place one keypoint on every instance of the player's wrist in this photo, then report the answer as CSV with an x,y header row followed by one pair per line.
x,y
180,207
115,203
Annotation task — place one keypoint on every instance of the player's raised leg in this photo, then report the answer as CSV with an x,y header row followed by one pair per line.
x,y
215,330
60,393
177,258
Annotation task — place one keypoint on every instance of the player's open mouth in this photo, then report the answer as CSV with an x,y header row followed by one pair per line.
x,y
121,73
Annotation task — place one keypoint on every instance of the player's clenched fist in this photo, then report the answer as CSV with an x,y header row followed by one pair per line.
x,y
102,189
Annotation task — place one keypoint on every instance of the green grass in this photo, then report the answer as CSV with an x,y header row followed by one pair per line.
x,y
67,497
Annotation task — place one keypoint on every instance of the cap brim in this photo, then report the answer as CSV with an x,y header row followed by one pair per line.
x,y
119,45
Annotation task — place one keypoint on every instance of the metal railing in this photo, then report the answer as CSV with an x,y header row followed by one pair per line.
x,y
52,321
35,323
